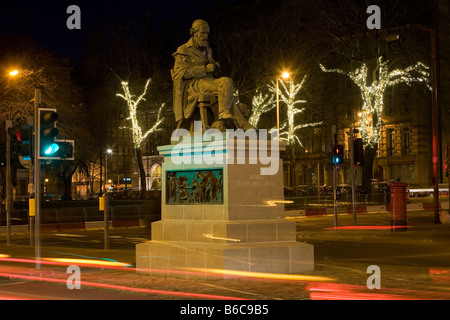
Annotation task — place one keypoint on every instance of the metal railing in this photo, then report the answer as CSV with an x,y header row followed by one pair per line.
x,y
304,202
84,211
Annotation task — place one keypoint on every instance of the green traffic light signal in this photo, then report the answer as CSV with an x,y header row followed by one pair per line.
x,y
51,149
47,133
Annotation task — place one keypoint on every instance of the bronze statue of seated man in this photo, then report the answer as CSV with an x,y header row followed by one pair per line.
x,y
195,83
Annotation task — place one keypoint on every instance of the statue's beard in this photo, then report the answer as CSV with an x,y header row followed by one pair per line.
x,y
202,43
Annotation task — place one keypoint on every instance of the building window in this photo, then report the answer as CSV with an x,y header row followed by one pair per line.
x,y
404,173
390,110
316,117
390,135
348,109
317,144
156,174
406,103
347,84
406,142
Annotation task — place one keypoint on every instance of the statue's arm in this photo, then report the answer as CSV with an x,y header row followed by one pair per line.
x,y
184,69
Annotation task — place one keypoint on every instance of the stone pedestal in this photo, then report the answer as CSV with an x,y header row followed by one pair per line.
x,y
237,225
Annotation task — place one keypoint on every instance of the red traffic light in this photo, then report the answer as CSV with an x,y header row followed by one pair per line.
x,y
23,134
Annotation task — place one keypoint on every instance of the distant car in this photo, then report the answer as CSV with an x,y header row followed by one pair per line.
x,y
134,194
301,190
344,189
322,191
113,195
362,190
288,191
298,191
383,187
426,192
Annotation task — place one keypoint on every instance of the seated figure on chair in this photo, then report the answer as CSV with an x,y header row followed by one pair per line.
x,y
193,78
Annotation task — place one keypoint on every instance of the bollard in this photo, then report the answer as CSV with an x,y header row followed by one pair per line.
x,y
104,206
398,205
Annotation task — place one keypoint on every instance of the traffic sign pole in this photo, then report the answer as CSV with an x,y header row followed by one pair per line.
x,y
8,183
333,134
352,166
37,182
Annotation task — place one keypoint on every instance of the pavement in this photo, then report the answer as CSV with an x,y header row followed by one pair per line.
x,y
409,264
413,258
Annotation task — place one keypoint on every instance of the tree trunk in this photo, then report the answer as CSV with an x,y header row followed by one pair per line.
x,y
141,171
367,172
293,177
67,174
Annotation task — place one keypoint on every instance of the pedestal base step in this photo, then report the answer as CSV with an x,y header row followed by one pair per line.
x,y
224,231
155,257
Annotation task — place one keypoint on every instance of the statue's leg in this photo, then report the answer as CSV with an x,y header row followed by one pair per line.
x,y
225,93
223,88
239,119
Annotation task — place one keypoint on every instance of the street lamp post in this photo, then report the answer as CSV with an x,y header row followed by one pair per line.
x,y
8,204
434,125
34,206
434,116
434,113
37,184
109,151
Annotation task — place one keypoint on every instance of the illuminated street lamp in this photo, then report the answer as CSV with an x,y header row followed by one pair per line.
x,y
14,73
285,76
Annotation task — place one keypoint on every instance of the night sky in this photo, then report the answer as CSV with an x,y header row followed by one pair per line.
x,y
45,21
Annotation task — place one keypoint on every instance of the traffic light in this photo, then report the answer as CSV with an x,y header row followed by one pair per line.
x,y
65,149
358,153
47,132
24,136
338,155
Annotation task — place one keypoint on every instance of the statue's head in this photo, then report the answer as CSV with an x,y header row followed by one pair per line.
x,y
200,32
